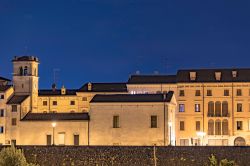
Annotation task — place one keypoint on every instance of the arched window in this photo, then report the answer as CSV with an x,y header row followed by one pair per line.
x,y
217,127
25,71
217,108
35,72
225,108
21,71
225,127
211,108
210,127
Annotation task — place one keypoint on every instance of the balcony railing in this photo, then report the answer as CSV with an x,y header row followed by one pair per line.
x,y
218,115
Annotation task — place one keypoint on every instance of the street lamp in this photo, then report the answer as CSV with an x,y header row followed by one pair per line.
x,y
170,132
53,126
201,134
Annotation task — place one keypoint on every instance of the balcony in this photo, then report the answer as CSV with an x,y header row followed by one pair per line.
x,y
218,115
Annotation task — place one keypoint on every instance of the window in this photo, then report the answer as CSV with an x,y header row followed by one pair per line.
x,y
154,121
239,107
181,93
197,93
225,109
182,126
49,140
210,127
45,103
14,108
13,121
2,97
239,92
21,71
184,142
217,127
226,92
116,122
197,107
198,125
209,92
181,108
239,125
225,127
210,109
1,130
1,113
76,140
72,102
217,108
54,102
84,99
25,71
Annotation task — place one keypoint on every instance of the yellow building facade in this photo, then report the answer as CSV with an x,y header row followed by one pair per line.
x,y
207,107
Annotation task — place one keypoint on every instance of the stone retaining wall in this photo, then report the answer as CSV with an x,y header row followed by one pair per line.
x,y
130,156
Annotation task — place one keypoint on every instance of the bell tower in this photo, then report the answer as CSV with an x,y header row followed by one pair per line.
x,y
25,78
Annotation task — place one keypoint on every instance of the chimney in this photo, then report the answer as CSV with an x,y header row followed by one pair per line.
x,y
218,76
234,73
63,90
53,87
89,86
192,76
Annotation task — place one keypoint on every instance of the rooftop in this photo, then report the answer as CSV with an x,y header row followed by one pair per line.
x,y
3,88
208,75
17,99
57,92
104,87
133,98
4,79
25,58
152,79
55,116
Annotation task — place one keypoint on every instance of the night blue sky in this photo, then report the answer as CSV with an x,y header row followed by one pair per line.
x,y
106,41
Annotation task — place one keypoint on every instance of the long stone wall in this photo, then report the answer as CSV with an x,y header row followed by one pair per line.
x,y
131,156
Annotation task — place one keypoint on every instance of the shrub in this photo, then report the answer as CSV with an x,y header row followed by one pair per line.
x,y
13,157
214,162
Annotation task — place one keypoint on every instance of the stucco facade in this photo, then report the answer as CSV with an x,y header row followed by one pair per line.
x,y
134,123
208,107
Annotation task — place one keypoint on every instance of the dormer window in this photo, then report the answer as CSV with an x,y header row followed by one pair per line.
x,y
25,71
218,76
234,74
192,76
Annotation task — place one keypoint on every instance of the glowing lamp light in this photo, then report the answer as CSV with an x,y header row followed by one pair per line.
x,y
201,134
53,124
